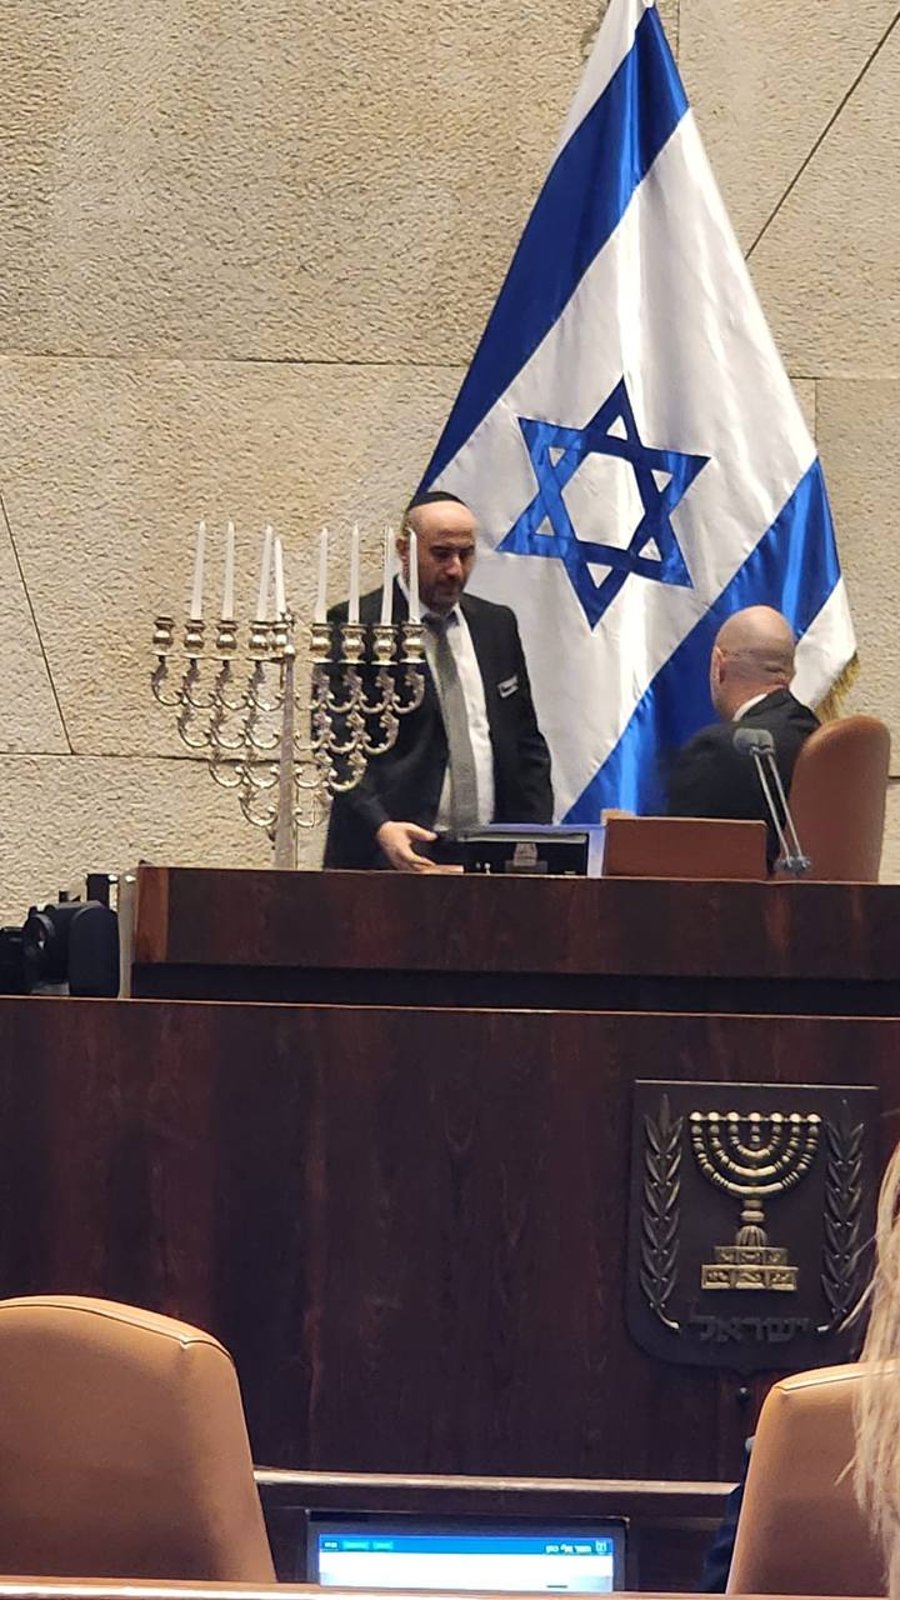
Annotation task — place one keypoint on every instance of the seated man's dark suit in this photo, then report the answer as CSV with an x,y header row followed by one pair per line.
x,y
404,785
710,778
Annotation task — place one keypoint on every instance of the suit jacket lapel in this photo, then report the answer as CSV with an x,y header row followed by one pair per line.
x,y
483,641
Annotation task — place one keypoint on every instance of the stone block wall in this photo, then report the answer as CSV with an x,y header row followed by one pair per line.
x,y
248,247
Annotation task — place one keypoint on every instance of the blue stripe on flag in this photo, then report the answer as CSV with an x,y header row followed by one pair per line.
x,y
584,198
794,568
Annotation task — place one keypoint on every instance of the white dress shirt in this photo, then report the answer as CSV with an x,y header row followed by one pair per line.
x,y
460,641
749,704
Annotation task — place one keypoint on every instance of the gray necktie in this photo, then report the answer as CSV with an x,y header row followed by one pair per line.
x,y
463,783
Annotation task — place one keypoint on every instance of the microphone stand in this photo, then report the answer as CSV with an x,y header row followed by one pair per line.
x,y
792,858
758,743
759,762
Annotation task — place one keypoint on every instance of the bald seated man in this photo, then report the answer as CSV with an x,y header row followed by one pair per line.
x,y
473,752
750,673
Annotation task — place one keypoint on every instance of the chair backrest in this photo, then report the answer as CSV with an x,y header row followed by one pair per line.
x,y
838,795
800,1530
123,1448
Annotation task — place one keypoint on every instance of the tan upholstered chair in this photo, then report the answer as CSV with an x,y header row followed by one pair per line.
x,y
800,1530
123,1448
838,794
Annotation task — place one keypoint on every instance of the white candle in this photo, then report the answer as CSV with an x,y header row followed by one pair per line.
x,y
262,604
197,594
387,593
228,585
414,615
353,608
280,606
321,597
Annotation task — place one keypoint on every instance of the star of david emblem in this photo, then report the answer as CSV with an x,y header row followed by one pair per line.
x,y
545,527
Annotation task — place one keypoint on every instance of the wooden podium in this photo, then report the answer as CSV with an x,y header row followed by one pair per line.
x,y
407,1225
609,944
401,1203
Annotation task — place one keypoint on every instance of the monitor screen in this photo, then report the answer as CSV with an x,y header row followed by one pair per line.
x,y
414,1553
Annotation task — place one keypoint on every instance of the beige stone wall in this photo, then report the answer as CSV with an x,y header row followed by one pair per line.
x,y
247,248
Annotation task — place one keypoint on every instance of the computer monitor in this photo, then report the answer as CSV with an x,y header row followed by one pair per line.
x,y
536,850
419,1553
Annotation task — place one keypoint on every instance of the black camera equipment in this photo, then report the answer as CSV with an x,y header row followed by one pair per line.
x,y
71,947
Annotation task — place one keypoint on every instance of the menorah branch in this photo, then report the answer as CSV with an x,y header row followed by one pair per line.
x,y
246,709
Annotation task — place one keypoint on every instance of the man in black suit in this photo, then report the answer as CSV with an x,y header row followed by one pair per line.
x,y
473,752
750,672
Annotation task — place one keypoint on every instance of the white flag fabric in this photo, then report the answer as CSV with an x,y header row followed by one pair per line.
x,y
630,443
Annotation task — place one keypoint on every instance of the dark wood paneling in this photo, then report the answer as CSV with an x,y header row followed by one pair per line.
x,y
545,991
408,1226
395,939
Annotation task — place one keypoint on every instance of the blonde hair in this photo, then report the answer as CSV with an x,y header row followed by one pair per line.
x,y
877,1466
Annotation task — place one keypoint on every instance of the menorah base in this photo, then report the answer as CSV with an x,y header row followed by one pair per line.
x,y
741,1266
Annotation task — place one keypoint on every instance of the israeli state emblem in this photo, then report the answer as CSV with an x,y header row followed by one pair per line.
x,y
750,1220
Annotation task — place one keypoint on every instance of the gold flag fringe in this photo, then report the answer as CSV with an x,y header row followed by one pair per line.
x,y
829,709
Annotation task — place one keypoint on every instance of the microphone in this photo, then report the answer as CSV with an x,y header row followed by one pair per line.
x,y
759,745
751,739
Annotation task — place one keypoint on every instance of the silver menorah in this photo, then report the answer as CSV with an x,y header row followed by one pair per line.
x,y
753,1156
285,734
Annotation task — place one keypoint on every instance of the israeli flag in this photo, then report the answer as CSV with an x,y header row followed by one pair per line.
x,y
630,443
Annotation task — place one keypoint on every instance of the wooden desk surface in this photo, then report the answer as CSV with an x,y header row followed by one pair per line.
x,y
448,1493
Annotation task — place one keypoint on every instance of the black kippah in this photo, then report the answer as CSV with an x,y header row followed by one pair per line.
x,y
430,497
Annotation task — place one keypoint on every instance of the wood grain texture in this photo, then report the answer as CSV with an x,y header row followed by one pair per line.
x,y
407,1226
151,914
700,848
389,938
